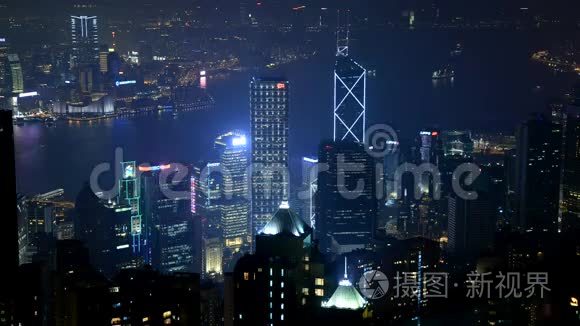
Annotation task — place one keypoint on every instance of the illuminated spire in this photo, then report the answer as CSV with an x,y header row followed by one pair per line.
x,y
345,296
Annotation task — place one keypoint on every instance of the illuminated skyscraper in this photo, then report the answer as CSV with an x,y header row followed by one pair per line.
x,y
345,201
539,154
3,63
233,151
269,103
571,168
232,148
213,249
168,225
309,185
84,40
207,183
350,81
129,195
15,78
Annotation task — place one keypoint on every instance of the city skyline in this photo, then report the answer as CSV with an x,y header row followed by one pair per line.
x,y
281,163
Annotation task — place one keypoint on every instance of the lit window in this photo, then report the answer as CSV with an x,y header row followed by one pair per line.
x,y
305,291
319,282
306,267
319,292
246,276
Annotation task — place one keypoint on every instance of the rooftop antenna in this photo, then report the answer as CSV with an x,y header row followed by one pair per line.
x,y
342,35
345,273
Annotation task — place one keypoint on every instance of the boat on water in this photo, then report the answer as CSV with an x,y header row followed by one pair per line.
x,y
446,72
457,51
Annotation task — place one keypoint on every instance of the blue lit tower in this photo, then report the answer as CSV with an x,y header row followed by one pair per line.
x,y
233,152
269,104
350,80
129,195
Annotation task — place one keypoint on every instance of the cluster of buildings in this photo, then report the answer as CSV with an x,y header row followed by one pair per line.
x,y
227,241
85,79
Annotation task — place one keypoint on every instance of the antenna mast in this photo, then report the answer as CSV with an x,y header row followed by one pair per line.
x,y
342,34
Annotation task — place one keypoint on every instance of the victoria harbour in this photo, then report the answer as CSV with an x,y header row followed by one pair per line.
x,y
486,68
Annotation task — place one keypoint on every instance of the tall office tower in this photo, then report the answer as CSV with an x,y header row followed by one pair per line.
x,y
309,187
350,82
510,167
129,196
103,59
84,40
3,64
430,151
206,184
167,222
269,104
15,80
284,277
430,146
245,15
539,154
104,227
346,203
571,169
213,249
177,241
41,220
470,225
9,230
232,149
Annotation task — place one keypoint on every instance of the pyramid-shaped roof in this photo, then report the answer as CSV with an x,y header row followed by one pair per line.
x,y
285,221
345,297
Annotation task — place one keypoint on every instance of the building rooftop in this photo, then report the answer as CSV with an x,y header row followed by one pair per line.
x,y
345,297
285,221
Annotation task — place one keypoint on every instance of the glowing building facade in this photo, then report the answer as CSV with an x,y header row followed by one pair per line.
x,y
269,104
350,83
129,195
233,151
84,40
